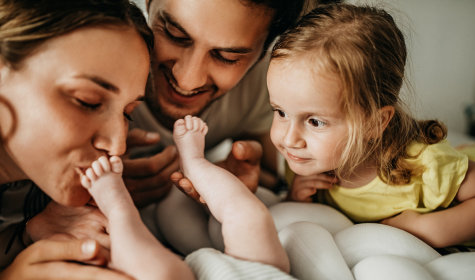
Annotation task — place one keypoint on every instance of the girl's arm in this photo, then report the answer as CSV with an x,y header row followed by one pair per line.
x,y
439,229
452,226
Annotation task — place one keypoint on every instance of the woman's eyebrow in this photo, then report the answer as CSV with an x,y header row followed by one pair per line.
x,y
101,82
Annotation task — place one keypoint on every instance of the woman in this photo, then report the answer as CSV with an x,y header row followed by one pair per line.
x,y
71,73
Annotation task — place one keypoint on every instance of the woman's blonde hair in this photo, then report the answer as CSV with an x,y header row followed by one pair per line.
x,y
366,49
26,24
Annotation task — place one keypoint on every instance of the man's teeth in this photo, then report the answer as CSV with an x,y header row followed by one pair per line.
x,y
181,91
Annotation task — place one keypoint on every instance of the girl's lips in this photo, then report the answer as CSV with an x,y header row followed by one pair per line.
x,y
294,158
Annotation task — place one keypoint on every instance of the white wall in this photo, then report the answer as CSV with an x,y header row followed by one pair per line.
x,y
442,49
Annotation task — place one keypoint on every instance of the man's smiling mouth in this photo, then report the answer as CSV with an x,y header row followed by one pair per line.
x,y
178,89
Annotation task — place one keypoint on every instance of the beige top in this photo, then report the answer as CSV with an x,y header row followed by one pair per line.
x,y
243,109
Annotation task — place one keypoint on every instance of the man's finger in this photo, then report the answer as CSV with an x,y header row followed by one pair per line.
x,y
73,250
142,199
249,151
138,137
73,271
144,167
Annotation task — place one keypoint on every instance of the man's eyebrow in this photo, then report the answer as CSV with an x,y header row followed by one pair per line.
x,y
240,50
101,82
164,16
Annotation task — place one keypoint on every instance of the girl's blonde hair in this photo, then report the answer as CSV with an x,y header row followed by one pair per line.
x,y
366,49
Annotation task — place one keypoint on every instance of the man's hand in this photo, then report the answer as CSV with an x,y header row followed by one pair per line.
x,y
303,187
148,179
48,259
243,161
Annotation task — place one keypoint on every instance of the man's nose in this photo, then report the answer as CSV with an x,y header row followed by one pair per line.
x,y
190,71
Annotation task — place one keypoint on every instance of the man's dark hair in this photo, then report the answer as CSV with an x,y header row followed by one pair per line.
x,y
286,12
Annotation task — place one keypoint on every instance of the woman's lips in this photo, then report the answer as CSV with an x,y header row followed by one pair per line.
x,y
295,158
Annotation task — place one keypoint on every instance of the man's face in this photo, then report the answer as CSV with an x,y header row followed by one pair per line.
x,y
203,48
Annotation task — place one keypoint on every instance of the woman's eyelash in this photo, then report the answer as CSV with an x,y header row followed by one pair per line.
x,y
127,116
88,105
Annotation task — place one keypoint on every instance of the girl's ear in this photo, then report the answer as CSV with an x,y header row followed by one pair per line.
x,y
386,114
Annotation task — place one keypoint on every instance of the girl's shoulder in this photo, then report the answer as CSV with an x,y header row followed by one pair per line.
x,y
441,151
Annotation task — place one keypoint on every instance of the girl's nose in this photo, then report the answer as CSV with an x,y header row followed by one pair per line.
x,y
293,138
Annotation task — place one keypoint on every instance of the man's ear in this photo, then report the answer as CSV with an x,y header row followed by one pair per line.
x,y
147,5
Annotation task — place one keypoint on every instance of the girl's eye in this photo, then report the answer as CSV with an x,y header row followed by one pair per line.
x,y
316,123
127,116
88,105
281,113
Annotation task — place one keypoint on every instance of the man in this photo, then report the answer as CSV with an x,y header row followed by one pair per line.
x,y
208,62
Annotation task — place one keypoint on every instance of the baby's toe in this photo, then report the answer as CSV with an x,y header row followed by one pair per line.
x,y
97,167
116,164
106,167
189,123
91,175
197,124
85,182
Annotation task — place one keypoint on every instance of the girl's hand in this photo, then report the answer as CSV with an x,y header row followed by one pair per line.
x,y
48,259
303,187
405,221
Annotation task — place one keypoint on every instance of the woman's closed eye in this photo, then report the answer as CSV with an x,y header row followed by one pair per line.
x,y
127,116
316,123
87,105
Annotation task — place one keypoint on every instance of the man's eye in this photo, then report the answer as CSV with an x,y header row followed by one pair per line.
x,y
174,37
88,105
220,58
316,123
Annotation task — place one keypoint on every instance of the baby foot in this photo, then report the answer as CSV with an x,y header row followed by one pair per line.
x,y
104,182
189,135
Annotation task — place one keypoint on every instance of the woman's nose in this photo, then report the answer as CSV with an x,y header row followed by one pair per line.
x,y
293,138
190,70
111,136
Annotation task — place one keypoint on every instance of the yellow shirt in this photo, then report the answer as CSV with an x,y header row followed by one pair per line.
x,y
444,171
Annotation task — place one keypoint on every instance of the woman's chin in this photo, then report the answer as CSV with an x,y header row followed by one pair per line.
x,y
74,197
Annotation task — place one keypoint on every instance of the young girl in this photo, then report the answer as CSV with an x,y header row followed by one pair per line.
x,y
334,83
